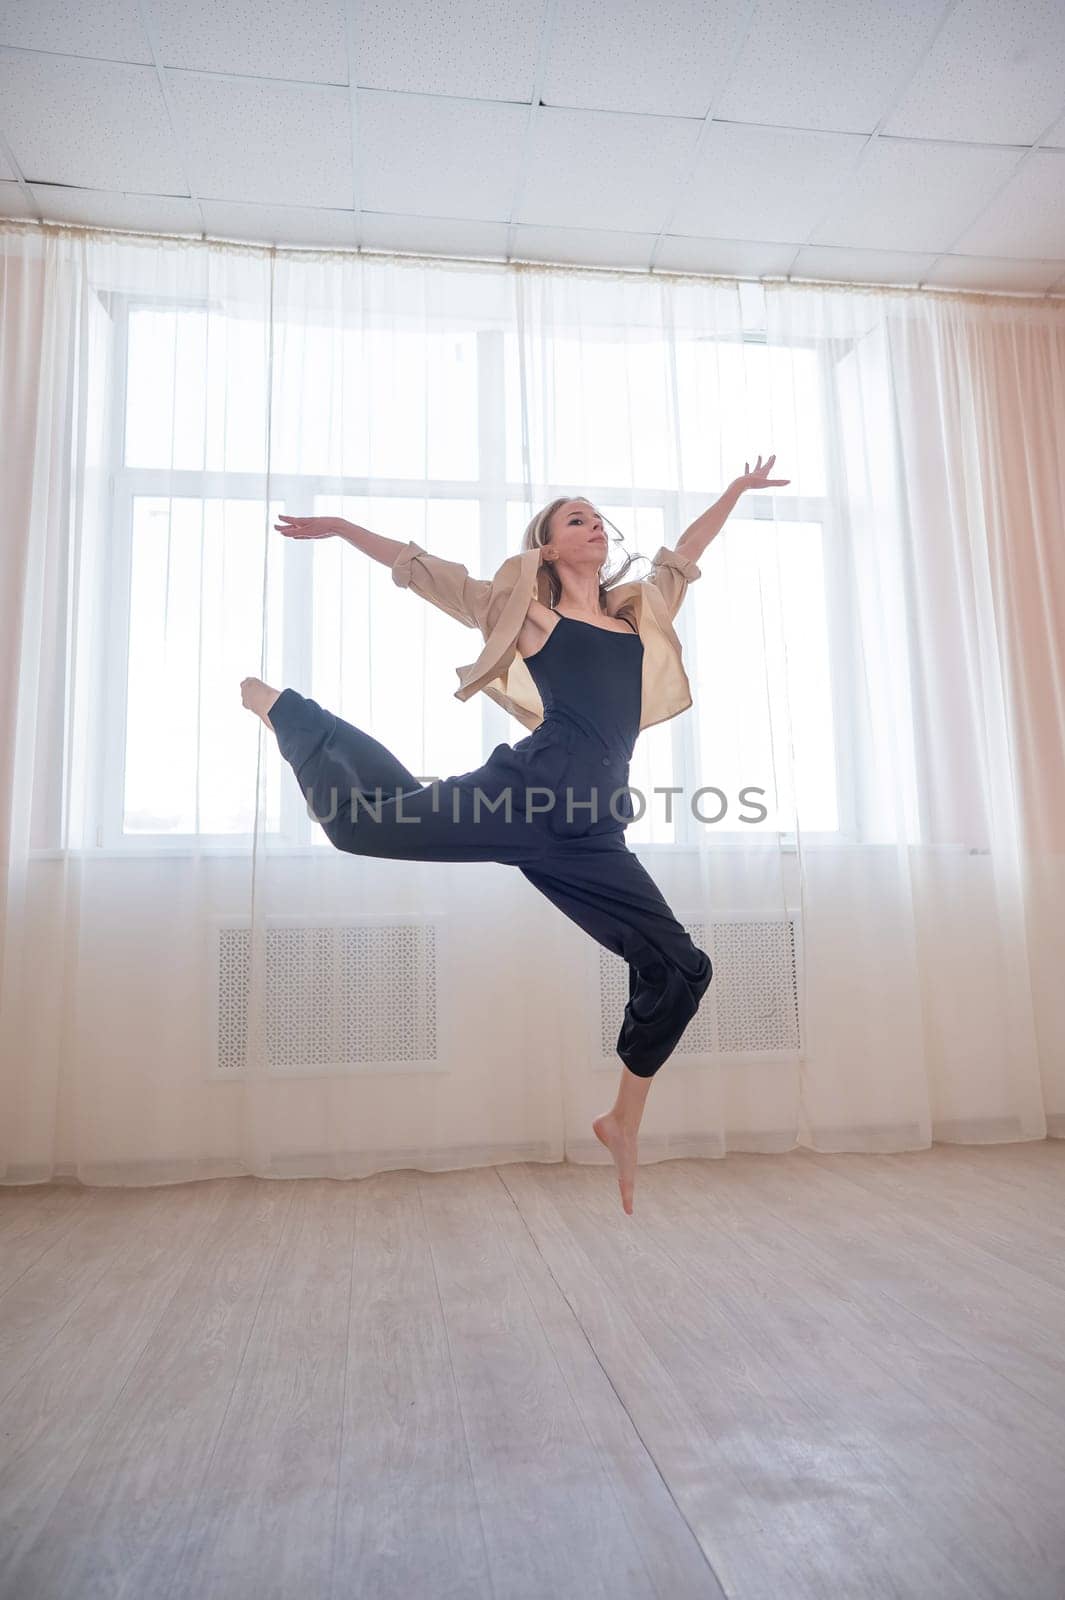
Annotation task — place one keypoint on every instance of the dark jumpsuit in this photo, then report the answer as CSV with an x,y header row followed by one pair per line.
x,y
555,805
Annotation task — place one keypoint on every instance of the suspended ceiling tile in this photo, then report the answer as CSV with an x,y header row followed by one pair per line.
x,y
993,75
6,169
861,266
914,196
603,169
13,202
583,246
437,156
422,47
109,29
93,124
272,143
143,213
739,258
290,225
1027,218
995,272
1055,139
264,41
449,236
669,61
838,71
767,184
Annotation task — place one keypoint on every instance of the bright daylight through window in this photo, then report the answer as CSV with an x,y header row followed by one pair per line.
x,y
196,575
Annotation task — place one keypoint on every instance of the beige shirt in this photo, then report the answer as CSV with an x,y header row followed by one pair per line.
x,y
498,607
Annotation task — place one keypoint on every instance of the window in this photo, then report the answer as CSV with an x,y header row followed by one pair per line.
x,y
196,563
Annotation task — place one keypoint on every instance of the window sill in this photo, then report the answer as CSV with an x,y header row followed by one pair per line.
x,y
731,843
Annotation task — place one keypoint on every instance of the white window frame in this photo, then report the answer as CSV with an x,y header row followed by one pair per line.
x,y
493,495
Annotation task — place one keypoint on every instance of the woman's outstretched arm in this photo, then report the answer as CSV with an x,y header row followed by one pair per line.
x,y
371,544
694,540
445,584
675,569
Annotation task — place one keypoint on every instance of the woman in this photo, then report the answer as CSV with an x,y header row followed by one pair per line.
x,y
585,664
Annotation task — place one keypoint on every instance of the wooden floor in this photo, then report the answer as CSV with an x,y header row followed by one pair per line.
x,y
784,1376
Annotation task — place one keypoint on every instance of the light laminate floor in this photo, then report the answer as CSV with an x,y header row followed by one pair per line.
x,y
785,1378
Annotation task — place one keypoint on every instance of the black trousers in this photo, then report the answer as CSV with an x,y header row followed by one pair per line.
x,y
370,804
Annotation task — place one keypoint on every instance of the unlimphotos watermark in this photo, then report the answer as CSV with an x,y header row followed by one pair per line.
x,y
469,806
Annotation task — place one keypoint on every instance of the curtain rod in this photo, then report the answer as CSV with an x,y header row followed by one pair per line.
x,y
411,257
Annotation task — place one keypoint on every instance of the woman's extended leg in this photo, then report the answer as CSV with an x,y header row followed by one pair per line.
x,y
368,803
330,753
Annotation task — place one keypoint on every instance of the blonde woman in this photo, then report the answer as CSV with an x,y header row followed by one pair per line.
x,y
584,660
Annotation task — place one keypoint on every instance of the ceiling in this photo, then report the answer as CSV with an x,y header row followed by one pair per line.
x,y
894,141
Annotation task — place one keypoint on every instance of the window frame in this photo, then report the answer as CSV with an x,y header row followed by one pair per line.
x,y
493,495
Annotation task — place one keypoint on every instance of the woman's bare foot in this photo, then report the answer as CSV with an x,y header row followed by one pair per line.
x,y
258,697
621,1142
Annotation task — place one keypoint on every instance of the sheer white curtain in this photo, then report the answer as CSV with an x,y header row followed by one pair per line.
x,y
865,825
934,923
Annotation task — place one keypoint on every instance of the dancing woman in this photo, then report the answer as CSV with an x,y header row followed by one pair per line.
x,y
584,662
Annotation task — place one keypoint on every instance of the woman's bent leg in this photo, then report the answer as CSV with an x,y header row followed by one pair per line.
x,y
609,893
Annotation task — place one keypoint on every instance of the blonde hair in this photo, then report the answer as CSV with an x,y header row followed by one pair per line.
x,y
539,533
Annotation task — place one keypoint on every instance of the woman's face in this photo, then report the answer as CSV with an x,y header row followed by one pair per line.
x,y
577,533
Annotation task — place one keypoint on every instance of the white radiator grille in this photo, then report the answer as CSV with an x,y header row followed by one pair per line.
x,y
336,995
752,1004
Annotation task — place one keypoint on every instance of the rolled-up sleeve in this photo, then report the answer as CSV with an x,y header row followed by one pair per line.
x,y
671,575
445,584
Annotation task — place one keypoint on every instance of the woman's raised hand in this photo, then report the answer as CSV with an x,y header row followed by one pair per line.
x,y
757,477
310,527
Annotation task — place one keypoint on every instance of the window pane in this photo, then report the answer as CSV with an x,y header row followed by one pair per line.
x,y
383,658
653,767
196,391
195,630
375,402
602,420
401,403
738,400
611,409
763,693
